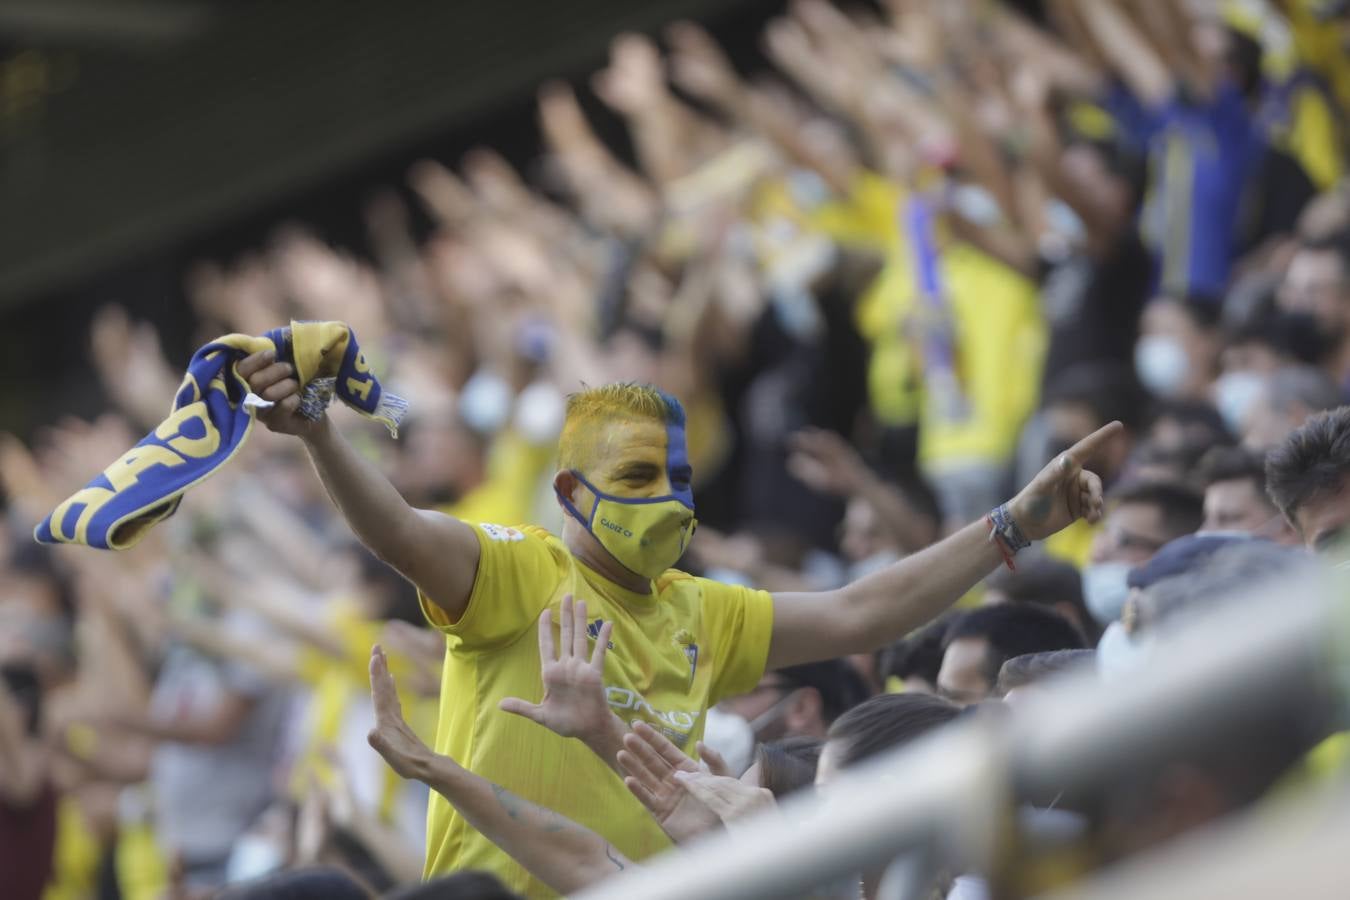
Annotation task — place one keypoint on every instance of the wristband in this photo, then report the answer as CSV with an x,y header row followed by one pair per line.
x,y
1004,532
1007,528
998,542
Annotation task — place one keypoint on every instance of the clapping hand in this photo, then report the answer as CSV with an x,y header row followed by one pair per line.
x,y
655,770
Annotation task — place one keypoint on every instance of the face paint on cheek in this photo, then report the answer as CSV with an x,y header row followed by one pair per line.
x,y
677,465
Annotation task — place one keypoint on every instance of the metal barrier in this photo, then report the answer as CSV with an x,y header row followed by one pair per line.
x,y
954,789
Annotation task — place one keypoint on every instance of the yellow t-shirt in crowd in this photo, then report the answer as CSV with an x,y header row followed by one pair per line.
x,y
1318,43
77,856
338,685
508,492
675,652
999,343
1073,545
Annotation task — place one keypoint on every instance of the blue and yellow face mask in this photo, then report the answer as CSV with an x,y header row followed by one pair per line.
x,y
646,535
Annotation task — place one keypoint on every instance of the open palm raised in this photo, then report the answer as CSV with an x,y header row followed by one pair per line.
x,y
574,688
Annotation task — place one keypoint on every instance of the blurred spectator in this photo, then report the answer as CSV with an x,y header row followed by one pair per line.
x,y
1048,583
799,701
1083,399
980,641
1141,518
1316,294
1234,479
872,728
913,663
1178,434
1020,675
1306,476
1289,397
1178,351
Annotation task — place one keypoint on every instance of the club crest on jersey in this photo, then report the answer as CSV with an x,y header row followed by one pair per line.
x,y
502,532
593,629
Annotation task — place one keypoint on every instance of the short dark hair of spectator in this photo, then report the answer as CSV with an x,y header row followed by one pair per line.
x,y
839,685
460,886
919,655
1194,416
1033,668
1014,630
1110,390
300,884
789,764
1182,507
1232,464
1284,334
1307,387
1042,582
887,721
1312,462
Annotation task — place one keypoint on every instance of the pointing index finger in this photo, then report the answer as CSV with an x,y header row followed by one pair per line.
x,y
1083,452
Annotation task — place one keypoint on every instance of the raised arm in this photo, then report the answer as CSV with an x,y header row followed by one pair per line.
x,y
1128,51
873,611
436,552
559,852
825,462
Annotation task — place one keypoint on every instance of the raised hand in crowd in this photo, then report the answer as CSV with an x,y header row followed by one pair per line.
x,y
728,798
653,764
573,705
557,851
131,365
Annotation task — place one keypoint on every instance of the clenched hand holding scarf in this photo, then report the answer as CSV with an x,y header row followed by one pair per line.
x,y
210,422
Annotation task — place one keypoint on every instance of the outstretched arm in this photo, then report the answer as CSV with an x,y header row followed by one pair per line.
x,y
873,611
436,552
559,852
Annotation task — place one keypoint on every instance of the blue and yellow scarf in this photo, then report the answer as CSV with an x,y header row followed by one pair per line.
x,y
209,423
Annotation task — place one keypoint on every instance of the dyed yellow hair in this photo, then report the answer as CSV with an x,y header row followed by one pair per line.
x,y
623,401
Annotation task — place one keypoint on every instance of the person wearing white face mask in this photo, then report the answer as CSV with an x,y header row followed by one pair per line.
x,y
1178,350
1289,397
1140,519
1254,350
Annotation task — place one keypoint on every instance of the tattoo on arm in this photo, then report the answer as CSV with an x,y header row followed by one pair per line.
x,y
509,801
609,854
521,810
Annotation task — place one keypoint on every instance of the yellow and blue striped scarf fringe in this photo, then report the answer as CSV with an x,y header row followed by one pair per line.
x,y
208,424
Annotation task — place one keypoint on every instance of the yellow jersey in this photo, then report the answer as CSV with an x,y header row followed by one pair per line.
x,y
673,653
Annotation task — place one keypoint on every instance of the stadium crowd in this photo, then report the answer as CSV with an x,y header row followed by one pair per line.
x,y
920,267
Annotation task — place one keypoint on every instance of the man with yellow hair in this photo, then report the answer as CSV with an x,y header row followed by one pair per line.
x,y
678,644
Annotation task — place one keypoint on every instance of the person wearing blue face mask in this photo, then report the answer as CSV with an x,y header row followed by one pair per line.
x,y
1140,519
